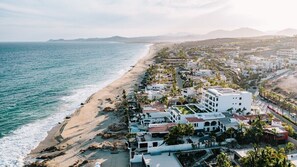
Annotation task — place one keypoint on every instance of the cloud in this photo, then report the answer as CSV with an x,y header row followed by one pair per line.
x,y
18,9
76,18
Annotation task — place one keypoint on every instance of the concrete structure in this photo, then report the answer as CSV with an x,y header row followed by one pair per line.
x,y
164,159
217,99
202,121
154,118
188,92
156,87
204,73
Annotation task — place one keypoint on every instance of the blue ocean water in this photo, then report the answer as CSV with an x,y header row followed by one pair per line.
x,y
41,83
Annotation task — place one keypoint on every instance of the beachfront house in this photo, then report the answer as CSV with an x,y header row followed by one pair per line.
x,y
202,120
155,91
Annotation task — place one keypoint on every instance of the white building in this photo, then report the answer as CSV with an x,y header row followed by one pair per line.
x,y
155,91
204,73
188,92
154,118
202,121
154,95
217,99
156,87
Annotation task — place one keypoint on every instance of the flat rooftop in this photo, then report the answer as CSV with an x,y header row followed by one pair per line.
x,y
223,91
161,160
242,152
210,116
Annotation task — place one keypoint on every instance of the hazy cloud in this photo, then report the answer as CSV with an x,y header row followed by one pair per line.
x,y
44,19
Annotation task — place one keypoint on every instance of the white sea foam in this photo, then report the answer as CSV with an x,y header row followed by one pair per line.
x,y
15,146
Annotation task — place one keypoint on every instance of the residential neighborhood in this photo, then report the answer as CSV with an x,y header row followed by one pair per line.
x,y
194,109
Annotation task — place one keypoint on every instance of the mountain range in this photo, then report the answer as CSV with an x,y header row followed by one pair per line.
x,y
237,33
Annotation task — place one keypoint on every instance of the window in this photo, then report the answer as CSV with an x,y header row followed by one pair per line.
x,y
213,123
206,124
240,104
155,144
143,145
240,98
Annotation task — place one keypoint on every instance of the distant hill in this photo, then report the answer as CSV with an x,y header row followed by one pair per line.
x,y
287,32
237,33
241,32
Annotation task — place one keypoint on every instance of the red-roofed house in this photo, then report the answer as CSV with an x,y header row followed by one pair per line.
x,y
161,128
198,123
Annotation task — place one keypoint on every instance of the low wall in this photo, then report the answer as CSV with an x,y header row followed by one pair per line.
x,y
180,147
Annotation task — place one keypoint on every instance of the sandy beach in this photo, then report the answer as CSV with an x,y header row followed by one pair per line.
x,y
72,138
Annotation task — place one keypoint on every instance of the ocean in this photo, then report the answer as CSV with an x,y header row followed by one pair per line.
x,y
42,82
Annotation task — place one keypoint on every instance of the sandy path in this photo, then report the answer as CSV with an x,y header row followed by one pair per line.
x,y
81,129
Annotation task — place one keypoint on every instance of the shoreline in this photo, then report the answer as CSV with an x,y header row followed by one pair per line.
x,y
83,125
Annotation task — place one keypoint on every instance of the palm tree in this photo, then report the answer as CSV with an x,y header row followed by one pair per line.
x,y
267,156
181,100
189,129
230,131
289,147
223,160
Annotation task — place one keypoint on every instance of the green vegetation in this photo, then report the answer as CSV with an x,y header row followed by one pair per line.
x,y
267,156
196,109
184,110
277,99
177,132
190,158
223,160
224,84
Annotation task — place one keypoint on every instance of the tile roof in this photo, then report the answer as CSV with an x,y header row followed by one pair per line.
x,y
162,128
194,119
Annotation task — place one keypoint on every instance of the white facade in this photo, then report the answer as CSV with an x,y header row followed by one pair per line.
x,y
156,87
219,99
205,121
204,73
154,95
154,118
188,92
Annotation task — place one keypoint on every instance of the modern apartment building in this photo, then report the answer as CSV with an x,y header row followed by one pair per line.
x,y
218,99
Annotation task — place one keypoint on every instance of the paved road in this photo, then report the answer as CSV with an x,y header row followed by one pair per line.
x,y
263,105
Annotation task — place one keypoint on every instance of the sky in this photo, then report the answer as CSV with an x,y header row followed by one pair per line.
x,y
40,20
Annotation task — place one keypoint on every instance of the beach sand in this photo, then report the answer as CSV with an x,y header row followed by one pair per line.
x,y
80,130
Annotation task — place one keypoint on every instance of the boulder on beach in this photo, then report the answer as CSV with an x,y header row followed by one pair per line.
x,y
51,149
119,144
105,145
107,136
108,109
117,127
36,164
51,156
